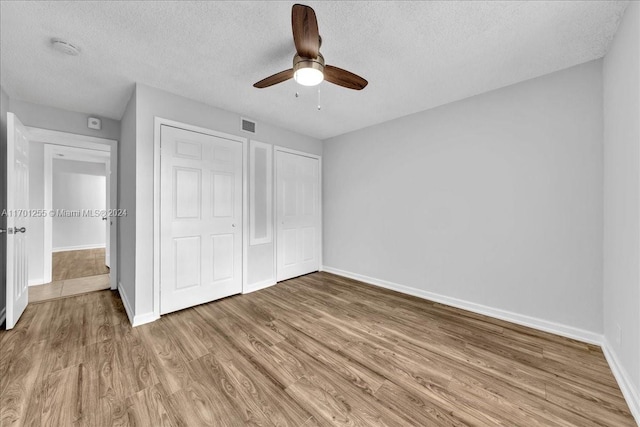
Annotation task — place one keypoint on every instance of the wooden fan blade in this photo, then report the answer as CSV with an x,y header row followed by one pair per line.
x,y
344,78
280,77
305,31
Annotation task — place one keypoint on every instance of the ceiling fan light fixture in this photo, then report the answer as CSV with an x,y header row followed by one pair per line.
x,y
308,72
308,76
309,68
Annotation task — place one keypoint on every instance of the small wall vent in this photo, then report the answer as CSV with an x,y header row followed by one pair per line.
x,y
248,125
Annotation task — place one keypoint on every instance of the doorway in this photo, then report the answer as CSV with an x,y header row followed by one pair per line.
x,y
33,219
72,181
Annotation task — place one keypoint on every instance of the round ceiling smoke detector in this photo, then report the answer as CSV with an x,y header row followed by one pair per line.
x,y
65,47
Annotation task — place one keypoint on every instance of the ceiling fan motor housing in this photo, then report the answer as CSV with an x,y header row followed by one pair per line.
x,y
302,62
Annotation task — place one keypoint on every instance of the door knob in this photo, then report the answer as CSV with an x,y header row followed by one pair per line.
x,y
14,230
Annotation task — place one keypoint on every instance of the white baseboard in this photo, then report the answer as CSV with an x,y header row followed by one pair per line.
x,y
3,315
257,286
520,319
629,391
37,282
142,319
77,248
125,302
135,320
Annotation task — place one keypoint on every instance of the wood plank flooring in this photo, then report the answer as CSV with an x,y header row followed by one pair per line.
x,y
316,350
73,273
81,263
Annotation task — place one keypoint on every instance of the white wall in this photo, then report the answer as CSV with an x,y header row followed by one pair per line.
x,y
4,108
622,202
78,186
494,200
64,230
127,200
52,118
150,103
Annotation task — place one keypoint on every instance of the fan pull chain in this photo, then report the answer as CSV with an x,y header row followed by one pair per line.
x,y
319,107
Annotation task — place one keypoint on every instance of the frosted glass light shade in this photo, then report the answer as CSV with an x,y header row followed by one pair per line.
x,y
308,76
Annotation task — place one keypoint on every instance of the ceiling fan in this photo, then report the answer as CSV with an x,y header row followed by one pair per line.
x,y
309,68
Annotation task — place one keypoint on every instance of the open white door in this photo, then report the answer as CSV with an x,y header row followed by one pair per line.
x,y
17,219
297,215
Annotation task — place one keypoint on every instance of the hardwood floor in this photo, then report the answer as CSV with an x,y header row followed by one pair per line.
x,y
316,350
81,263
73,273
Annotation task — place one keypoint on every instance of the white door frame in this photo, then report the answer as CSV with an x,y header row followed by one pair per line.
x,y
277,148
52,152
76,146
157,187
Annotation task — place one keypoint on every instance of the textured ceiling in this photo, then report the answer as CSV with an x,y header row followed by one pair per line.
x,y
415,55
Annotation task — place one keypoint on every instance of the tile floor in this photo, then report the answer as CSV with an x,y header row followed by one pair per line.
x,y
65,288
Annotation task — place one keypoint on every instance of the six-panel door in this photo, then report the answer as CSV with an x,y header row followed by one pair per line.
x,y
201,218
17,167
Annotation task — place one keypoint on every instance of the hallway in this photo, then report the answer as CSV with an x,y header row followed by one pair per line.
x,y
74,273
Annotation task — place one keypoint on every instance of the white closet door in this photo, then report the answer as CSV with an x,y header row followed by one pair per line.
x,y
298,215
201,218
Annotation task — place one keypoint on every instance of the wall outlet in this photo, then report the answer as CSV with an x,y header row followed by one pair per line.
x,y
618,334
